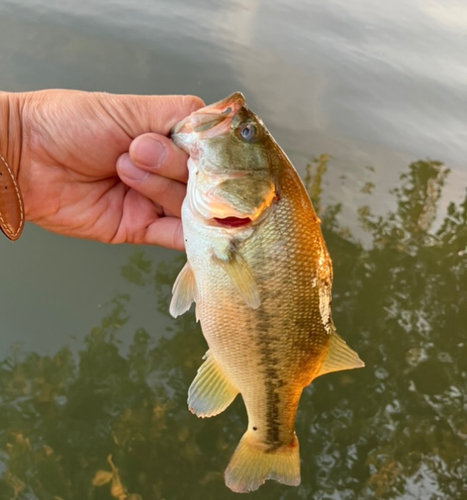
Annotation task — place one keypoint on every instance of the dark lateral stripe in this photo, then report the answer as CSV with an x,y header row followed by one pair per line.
x,y
269,360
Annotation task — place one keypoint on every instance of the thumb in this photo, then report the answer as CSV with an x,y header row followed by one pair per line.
x,y
138,114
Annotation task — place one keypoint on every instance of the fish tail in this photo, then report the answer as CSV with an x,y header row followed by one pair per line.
x,y
252,465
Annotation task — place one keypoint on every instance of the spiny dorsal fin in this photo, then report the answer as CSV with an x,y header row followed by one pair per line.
x,y
183,292
211,392
339,357
239,272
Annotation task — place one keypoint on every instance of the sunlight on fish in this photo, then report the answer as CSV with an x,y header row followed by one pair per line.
x,y
260,274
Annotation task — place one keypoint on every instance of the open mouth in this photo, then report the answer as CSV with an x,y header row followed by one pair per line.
x,y
233,221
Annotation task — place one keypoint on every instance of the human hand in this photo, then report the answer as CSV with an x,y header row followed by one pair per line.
x,y
100,166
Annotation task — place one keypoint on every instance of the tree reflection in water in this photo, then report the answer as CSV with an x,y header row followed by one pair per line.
x,y
104,423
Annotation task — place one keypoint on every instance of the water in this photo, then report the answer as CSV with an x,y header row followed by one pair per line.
x,y
93,372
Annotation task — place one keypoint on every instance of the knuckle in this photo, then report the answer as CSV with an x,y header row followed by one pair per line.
x,y
163,186
178,238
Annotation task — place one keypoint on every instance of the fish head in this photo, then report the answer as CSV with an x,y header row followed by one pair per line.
x,y
231,180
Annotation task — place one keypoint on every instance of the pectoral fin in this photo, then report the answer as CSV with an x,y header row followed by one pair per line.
x,y
183,292
339,357
211,392
239,272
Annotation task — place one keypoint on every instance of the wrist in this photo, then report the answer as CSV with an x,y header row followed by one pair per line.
x,y
11,130
11,202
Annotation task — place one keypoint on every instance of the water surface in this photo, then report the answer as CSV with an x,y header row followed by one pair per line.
x,y
370,105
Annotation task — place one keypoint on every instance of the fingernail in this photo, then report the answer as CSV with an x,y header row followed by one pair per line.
x,y
149,152
127,168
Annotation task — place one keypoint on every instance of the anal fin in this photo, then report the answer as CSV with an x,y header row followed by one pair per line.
x,y
183,292
211,392
339,357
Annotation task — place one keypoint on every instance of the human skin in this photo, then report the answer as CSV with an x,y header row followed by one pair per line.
x,y
98,166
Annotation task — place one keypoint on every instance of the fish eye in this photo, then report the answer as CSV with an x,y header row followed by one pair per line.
x,y
248,132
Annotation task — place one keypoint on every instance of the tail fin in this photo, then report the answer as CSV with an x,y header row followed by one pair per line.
x,y
250,465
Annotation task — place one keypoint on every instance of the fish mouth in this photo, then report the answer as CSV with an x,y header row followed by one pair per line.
x,y
207,118
233,222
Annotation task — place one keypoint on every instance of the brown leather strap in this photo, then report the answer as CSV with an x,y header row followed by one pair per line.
x,y
11,203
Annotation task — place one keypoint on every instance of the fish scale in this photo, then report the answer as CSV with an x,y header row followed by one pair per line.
x,y
262,290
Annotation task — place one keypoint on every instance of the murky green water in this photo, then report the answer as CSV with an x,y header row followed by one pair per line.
x,y
93,371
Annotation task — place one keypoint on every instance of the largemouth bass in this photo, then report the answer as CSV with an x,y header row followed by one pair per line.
x,y
260,274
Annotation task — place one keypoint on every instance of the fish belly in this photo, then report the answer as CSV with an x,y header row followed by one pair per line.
x,y
271,353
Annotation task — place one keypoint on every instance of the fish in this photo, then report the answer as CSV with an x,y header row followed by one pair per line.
x,y
260,275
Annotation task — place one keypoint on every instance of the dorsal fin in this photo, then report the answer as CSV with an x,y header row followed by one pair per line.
x,y
183,292
339,357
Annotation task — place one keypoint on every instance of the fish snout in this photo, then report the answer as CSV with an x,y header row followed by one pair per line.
x,y
209,117
234,101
